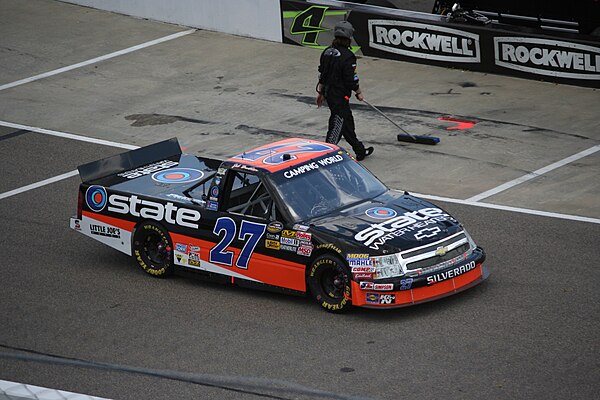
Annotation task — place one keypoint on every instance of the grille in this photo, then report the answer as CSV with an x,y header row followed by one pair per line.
x,y
433,247
435,260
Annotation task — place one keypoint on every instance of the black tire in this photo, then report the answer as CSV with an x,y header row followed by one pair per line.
x,y
153,250
329,283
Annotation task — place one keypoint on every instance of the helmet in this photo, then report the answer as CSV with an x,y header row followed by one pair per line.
x,y
343,29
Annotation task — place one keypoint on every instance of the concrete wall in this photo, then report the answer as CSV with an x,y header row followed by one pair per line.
x,y
257,18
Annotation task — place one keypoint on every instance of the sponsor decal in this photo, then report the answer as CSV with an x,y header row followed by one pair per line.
x,y
357,255
287,247
212,205
426,41
366,285
148,169
548,57
221,171
380,298
181,247
272,236
313,165
378,234
380,213
387,299
288,233
307,237
360,262
195,249
362,269
330,160
290,241
305,250
275,227
452,273
272,244
362,275
179,257
107,231
194,256
372,298
300,227
427,233
178,175
195,263
214,191
300,170
95,198
383,286
77,225
406,284
168,212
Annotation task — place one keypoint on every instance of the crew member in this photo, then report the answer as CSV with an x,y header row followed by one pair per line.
x,y
337,80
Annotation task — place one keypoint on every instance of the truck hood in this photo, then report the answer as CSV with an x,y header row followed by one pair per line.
x,y
389,223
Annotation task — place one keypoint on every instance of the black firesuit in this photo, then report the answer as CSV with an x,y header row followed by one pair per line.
x,y
338,79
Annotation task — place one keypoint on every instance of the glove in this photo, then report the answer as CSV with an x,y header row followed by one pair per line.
x,y
320,99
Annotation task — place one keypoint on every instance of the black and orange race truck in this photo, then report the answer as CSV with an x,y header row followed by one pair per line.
x,y
297,215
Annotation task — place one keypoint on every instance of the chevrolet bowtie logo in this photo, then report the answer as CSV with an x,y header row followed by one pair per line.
x,y
427,233
440,251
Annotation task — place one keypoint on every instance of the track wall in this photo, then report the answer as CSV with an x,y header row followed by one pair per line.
x,y
259,19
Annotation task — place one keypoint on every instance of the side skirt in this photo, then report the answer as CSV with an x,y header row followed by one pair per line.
x,y
228,280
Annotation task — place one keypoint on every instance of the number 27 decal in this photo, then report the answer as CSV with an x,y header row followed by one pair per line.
x,y
219,254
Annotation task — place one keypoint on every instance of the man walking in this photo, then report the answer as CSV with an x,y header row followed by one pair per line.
x,y
337,80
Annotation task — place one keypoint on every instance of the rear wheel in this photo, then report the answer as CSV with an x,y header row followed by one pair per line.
x,y
153,250
329,283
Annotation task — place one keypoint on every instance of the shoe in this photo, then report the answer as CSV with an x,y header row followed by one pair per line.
x,y
368,151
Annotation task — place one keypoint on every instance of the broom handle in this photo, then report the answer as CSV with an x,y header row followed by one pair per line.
x,y
388,118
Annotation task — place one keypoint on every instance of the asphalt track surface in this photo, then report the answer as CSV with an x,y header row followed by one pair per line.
x,y
76,315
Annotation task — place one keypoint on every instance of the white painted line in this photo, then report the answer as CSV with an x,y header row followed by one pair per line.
x,y
38,184
96,60
16,390
68,135
62,135
508,208
534,174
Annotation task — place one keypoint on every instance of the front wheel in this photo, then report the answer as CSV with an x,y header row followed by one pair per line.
x,y
153,250
329,283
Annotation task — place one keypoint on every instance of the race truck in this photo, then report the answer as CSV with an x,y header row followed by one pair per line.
x,y
298,215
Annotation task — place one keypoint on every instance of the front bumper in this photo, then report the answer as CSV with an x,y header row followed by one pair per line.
x,y
415,290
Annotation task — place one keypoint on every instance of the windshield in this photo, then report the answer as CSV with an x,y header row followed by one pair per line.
x,y
317,188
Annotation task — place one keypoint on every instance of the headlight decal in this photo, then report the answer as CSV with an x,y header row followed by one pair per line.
x,y
388,266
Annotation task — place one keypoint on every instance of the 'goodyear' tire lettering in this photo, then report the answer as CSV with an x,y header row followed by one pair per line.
x,y
329,283
153,250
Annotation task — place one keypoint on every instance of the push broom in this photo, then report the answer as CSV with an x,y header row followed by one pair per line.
x,y
407,137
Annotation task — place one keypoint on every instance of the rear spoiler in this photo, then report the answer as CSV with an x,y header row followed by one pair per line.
x,y
129,160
